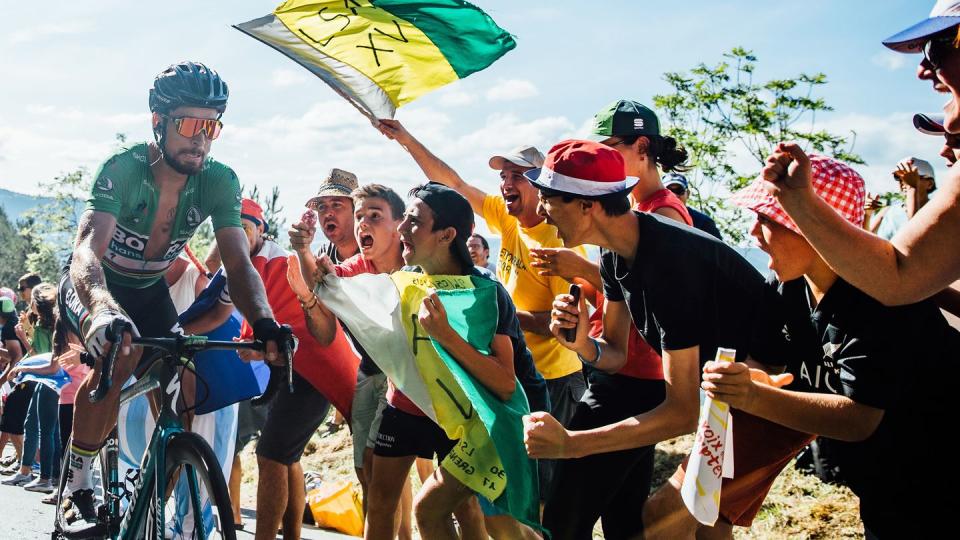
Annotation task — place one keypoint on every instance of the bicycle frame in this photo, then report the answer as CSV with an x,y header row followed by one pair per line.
x,y
159,375
172,354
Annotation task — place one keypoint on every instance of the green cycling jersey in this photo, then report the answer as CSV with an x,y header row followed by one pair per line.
x,y
125,188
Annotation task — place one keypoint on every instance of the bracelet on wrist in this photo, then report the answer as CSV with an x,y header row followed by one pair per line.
x,y
596,344
309,304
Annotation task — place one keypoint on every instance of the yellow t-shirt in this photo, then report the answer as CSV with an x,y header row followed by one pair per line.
x,y
529,290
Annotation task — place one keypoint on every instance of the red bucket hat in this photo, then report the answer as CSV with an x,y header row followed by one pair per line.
x,y
842,187
583,169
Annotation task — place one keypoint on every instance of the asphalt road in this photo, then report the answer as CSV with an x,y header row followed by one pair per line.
x,y
24,517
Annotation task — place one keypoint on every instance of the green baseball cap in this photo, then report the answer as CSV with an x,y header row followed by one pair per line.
x,y
7,306
624,118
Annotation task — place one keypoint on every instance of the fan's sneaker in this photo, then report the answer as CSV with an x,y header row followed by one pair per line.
x,y
18,480
39,485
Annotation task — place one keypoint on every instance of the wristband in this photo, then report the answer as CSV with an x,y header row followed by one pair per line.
x,y
597,359
312,304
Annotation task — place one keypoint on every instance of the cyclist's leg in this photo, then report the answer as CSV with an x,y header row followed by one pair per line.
x,y
152,312
92,422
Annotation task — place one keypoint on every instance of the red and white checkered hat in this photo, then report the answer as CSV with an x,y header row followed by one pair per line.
x,y
835,182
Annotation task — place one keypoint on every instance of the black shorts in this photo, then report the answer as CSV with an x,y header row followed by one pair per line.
x,y
611,486
150,308
402,434
292,420
15,408
250,422
565,393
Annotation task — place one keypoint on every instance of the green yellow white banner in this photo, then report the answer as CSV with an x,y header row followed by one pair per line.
x,y
381,311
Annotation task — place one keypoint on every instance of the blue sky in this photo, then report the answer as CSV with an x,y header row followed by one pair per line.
x,y
75,73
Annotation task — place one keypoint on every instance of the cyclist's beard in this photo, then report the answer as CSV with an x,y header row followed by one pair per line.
x,y
181,167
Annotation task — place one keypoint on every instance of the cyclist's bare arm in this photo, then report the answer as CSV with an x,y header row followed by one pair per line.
x,y
246,287
93,237
433,167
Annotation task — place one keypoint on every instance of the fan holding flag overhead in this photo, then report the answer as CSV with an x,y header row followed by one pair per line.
x,y
382,54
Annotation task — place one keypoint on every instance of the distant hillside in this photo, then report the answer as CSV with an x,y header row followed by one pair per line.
x,y
15,204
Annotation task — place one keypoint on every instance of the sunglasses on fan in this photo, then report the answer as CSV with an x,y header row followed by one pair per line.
x,y
190,127
935,50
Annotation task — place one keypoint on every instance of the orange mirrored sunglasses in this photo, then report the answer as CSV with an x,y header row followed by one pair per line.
x,y
191,127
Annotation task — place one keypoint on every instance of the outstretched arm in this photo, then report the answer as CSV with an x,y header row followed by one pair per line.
x,y
914,266
749,390
676,415
433,167
321,322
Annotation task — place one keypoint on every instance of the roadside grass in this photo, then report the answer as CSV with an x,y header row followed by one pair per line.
x,y
798,506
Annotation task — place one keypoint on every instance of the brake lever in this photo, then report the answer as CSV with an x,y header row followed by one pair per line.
x,y
105,382
290,347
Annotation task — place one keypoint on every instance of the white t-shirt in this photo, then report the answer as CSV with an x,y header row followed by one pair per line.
x,y
183,291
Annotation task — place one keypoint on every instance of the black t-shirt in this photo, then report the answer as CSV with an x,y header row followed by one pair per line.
x,y
686,288
891,358
704,222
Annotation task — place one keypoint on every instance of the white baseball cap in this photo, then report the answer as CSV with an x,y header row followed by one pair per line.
x,y
924,169
945,14
522,156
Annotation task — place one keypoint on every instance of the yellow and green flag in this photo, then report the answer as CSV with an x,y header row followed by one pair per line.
x,y
381,54
381,312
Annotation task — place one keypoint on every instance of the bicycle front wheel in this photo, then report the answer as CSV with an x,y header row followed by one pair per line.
x,y
189,458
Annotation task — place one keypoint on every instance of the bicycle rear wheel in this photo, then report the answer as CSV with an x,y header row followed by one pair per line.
x,y
190,454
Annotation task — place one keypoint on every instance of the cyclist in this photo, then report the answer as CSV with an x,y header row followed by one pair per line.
x,y
145,205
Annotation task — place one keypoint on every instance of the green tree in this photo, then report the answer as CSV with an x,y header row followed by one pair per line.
x,y
272,211
51,227
729,123
13,264
49,230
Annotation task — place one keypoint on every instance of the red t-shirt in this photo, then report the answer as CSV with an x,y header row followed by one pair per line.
x,y
332,370
664,198
354,266
643,362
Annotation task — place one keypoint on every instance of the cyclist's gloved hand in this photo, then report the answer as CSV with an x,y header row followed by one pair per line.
x,y
98,335
276,337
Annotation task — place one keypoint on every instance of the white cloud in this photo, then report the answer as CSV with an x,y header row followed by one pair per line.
x,y
292,151
511,90
889,60
285,77
457,98
46,30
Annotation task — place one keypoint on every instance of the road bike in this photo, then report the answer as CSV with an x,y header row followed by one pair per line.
x,y
172,450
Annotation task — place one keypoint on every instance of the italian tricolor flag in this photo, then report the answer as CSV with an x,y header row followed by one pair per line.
x,y
381,311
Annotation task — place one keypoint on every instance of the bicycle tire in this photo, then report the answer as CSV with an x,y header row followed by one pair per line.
x,y
183,450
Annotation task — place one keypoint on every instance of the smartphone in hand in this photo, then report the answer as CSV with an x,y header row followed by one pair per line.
x,y
570,334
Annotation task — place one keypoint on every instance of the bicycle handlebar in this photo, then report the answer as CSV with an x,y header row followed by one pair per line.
x,y
178,346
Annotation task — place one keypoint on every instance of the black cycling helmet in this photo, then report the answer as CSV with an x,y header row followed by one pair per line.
x,y
190,84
